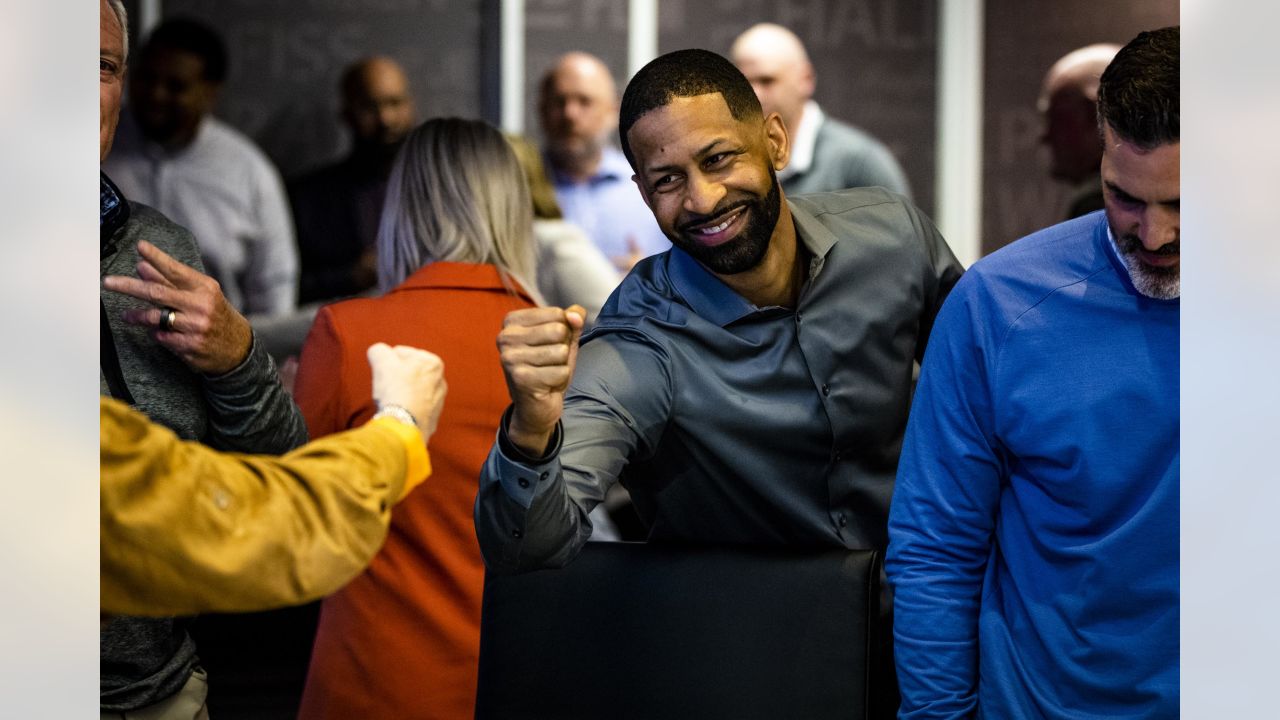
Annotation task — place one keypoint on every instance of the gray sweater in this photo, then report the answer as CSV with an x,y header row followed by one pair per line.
x,y
146,660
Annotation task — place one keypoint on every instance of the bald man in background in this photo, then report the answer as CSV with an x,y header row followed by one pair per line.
x,y
336,208
826,154
1068,104
578,109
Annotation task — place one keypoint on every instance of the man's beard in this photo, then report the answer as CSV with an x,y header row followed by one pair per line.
x,y
745,251
1154,282
573,151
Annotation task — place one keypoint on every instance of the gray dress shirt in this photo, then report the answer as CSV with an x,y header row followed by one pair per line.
x,y
730,423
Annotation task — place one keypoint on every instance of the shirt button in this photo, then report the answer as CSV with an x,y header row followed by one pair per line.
x,y
841,521
798,317
524,483
826,389
543,477
517,533
837,456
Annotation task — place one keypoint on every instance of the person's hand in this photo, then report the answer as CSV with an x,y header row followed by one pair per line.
x,y
287,371
410,378
539,348
624,263
205,331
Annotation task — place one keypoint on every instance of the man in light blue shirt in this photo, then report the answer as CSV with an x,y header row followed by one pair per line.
x,y
578,107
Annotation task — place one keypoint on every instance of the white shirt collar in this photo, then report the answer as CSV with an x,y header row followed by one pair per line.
x,y
803,141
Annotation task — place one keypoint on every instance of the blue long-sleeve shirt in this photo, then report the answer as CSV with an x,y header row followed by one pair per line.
x,y
1034,526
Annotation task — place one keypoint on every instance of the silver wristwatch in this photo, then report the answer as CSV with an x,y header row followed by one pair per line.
x,y
399,412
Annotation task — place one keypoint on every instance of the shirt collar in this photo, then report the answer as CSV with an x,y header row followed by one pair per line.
x,y
705,294
460,276
804,140
815,236
714,301
1112,251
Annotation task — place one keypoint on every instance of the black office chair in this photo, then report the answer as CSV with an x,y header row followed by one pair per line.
x,y
636,630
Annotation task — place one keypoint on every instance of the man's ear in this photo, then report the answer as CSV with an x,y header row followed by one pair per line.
x,y
643,195
779,143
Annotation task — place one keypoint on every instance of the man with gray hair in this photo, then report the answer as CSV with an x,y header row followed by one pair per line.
x,y
175,349
1068,105
826,154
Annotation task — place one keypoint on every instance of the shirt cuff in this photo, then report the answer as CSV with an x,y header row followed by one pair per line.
x,y
522,477
256,365
514,453
417,462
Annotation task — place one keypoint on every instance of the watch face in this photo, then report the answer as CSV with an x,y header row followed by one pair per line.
x,y
110,203
110,200
113,212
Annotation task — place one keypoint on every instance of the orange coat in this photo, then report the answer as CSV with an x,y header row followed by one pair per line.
x,y
402,640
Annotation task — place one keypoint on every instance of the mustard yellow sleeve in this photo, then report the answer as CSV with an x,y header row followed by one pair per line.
x,y
186,529
417,464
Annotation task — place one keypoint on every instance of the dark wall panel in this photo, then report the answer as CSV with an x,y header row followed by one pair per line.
x,y
287,56
555,27
1023,39
875,62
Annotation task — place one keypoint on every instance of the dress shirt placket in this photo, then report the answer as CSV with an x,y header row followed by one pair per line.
x,y
817,355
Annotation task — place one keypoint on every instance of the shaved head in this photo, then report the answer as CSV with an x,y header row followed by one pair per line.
x,y
1068,109
578,108
772,40
778,68
584,66
376,103
1078,71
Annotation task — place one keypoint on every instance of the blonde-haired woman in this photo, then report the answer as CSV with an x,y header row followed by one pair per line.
x,y
455,255
571,269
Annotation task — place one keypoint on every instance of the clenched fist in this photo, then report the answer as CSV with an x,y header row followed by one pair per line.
x,y
539,347
410,378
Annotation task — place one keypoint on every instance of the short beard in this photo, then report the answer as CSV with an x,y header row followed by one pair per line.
x,y
574,153
1153,282
748,249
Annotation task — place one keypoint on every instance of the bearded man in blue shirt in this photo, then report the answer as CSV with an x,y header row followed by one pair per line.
x,y
1034,532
